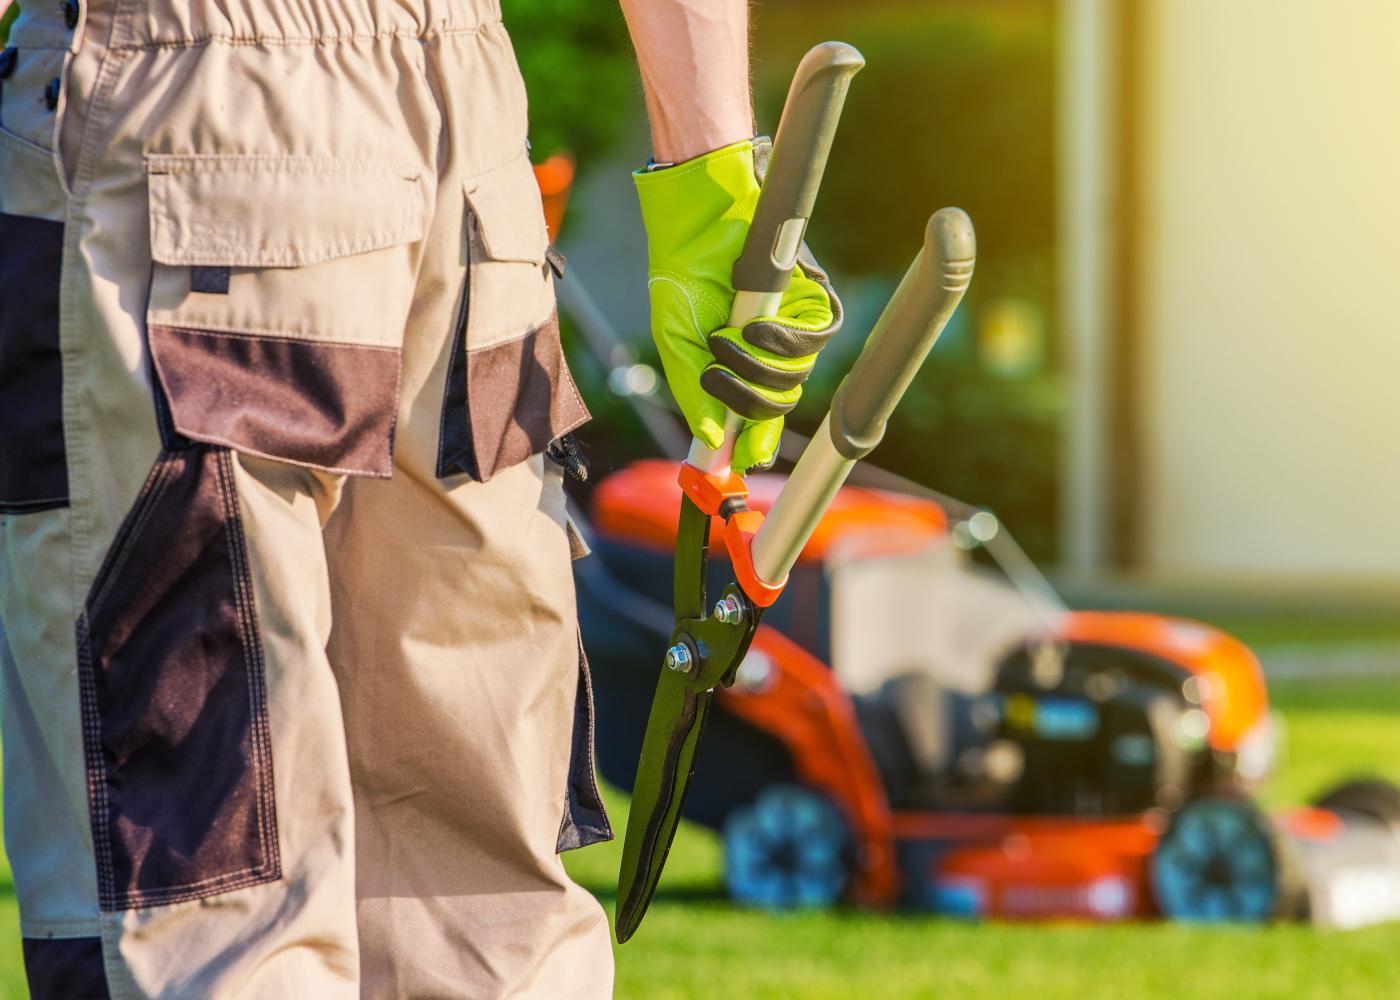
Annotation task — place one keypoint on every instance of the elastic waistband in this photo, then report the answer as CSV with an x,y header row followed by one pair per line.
x,y
138,24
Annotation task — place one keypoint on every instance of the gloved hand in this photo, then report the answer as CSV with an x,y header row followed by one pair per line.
x,y
697,215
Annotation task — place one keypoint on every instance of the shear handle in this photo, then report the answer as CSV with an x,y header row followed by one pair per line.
x,y
861,407
785,203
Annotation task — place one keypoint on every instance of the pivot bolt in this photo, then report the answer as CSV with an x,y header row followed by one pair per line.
x,y
729,611
678,658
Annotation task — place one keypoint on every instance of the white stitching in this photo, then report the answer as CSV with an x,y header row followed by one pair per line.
x,y
229,248
281,338
157,482
269,866
31,506
253,663
384,473
94,765
197,41
686,288
26,147
180,165
244,450
85,927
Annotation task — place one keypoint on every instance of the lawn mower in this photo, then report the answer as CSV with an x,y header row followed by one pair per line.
x,y
908,730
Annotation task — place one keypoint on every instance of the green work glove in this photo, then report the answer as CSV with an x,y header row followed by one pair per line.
x,y
697,215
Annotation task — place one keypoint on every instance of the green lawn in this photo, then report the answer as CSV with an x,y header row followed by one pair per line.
x,y
695,945
12,985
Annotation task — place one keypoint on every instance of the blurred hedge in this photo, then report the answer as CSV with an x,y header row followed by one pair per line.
x,y
579,71
955,107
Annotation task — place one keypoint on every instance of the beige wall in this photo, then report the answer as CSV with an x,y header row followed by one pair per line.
x,y
1268,286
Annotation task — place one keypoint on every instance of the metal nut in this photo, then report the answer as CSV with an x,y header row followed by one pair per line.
x,y
729,611
678,658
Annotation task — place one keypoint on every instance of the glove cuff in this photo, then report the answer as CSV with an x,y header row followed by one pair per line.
x,y
684,203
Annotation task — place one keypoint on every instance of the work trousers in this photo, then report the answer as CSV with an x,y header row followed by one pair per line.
x,y
293,700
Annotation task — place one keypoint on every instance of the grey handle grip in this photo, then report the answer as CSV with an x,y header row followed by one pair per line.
x,y
794,175
892,355
904,334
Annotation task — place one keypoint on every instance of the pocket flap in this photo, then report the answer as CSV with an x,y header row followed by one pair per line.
x,y
509,212
279,211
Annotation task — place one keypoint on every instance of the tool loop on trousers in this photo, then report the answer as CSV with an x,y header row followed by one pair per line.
x,y
566,453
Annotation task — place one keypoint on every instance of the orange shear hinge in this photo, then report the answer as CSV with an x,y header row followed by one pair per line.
x,y
726,496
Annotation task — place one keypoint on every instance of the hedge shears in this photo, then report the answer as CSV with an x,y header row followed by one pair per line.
x,y
709,642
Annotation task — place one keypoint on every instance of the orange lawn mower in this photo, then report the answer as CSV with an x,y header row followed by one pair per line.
x,y
908,730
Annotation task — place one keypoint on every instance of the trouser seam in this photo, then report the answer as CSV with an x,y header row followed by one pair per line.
x,y
157,482
96,771
199,41
75,360
90,712
254,663
59,930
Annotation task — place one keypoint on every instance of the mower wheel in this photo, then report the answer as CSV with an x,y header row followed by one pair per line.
x,y
790,849
1372,797
1220,860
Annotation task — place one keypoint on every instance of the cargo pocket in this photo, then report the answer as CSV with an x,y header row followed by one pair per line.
x,y
585,819
33,466
280,289
509,392
174,698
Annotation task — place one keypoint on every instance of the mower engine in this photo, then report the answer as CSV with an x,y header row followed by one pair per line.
x,y
1129,713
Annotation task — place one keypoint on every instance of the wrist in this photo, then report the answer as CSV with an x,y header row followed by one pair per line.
x,y
697,140
699,123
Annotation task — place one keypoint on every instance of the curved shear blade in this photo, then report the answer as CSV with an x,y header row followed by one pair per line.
x,y
663,777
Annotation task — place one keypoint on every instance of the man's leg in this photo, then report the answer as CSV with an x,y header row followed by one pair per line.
x,y
455,635
213,284
177,798
46,807
456,649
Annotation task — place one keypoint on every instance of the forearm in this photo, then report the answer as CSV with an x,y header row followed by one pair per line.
x,y
694,60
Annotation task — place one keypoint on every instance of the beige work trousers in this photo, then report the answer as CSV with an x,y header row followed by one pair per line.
x,y
293,701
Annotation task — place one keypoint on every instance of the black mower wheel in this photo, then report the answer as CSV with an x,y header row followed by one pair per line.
x,y
1222,860
791,849
1375,798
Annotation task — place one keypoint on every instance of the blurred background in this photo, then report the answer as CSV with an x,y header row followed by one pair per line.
x,y
1174,366
1171,379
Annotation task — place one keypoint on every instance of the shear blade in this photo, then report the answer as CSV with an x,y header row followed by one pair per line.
x,y
663,777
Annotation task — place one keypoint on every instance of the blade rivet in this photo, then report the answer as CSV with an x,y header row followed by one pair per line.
x,y
729,611
678,658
